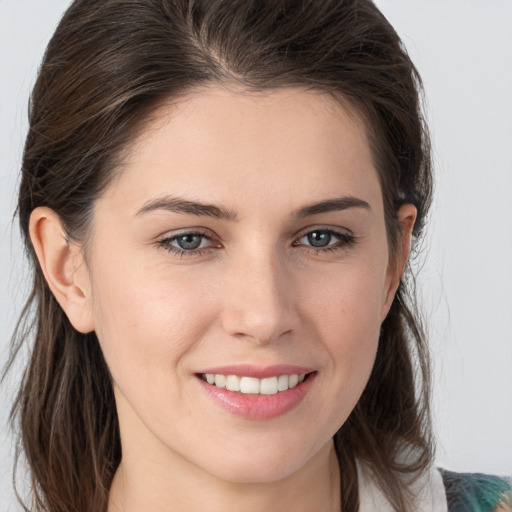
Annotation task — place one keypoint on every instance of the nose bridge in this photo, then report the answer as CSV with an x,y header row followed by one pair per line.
x,y
259,302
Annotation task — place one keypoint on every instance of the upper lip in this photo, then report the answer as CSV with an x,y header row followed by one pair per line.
x,y
258,372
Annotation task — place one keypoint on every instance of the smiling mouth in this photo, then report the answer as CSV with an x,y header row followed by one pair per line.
x,y
252,385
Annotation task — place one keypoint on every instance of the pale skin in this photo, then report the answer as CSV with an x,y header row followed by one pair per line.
x,y
257,292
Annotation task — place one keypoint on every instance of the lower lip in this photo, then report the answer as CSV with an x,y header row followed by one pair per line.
x,y
258,407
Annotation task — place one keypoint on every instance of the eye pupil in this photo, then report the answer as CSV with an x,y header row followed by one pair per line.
x,y
189,242
319,238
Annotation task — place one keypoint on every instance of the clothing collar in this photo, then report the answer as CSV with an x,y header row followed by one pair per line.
x,y
428,489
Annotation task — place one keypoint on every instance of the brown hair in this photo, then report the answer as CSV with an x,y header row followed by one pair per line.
x,y
109,64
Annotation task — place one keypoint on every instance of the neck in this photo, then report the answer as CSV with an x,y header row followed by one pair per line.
x,y
143,484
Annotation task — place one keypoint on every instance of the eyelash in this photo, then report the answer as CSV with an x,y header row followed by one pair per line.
x,y
344,240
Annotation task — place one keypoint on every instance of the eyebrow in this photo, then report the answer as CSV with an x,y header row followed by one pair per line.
x,y
179,205
331,205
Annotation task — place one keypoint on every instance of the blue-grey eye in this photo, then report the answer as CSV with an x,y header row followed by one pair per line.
x,y
319,238
189,241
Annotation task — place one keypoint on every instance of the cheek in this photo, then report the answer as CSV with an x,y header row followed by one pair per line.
x,y
344,307
146,320
347,300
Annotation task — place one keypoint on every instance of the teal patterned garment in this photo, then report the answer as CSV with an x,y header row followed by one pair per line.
x,y
475,492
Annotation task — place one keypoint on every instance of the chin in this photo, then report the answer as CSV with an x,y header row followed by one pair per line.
x,y
246,472
261,466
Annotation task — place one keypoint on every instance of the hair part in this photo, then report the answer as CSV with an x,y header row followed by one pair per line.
x,y
107,68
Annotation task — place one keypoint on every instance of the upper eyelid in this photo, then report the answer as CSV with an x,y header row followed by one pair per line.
x,y
211,234
171,235
333,229
208,233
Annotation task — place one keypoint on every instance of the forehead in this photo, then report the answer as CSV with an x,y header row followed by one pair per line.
x,y
218,140
215,113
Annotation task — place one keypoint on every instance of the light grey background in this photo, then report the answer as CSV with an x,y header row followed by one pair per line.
x,y
463,49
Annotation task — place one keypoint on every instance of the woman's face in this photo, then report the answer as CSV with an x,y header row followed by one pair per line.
x,y
244,237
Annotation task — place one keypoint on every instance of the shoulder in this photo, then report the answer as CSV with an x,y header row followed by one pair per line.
x,y
476,492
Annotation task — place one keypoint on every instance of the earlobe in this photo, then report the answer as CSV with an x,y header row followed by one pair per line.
x,y
406,218
63,267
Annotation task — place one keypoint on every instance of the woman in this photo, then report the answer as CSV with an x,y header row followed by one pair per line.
x,y
219,200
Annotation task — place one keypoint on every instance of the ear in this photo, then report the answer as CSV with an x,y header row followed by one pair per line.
x,y
406,219
63,267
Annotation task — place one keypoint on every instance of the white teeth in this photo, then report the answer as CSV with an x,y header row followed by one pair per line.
x,y
282,383
251,385
233,383
268,386
220,381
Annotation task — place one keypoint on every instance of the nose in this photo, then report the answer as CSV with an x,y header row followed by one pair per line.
x,y
259,302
